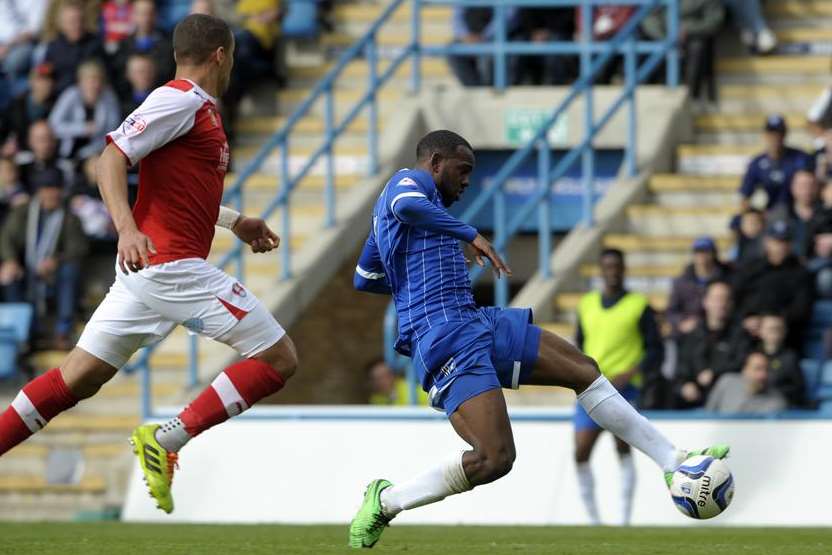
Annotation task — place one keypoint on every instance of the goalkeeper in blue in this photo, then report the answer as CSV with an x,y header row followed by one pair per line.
x,y
462,354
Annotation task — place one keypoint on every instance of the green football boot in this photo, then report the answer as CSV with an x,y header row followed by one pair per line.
x,y
156,463
370,521
718,451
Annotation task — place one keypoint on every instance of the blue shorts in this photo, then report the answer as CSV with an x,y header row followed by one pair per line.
x,y
583,421
458,361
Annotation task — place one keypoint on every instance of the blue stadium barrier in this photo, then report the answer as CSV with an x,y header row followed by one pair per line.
x,y
593,55
15,324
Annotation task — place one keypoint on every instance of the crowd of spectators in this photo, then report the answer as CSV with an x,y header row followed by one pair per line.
x,y
739,325
700,21
70,72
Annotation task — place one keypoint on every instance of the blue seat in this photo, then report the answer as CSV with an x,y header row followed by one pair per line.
x,y
301,19
15,323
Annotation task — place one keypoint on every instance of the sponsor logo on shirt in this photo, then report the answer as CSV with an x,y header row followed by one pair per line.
x,y
238,289
407,182
133,125
225,156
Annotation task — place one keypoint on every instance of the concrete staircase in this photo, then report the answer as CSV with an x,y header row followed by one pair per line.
x,y
701,196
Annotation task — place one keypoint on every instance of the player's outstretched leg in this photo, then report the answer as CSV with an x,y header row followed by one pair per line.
x,y
560,363
80,376
482,421
236,389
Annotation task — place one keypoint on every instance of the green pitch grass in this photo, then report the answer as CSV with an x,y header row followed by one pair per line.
x,y
137,539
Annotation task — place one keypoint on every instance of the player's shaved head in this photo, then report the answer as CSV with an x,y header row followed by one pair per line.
x,y
444,142
198,36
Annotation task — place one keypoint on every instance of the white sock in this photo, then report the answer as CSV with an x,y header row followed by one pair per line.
x,y
613,413
586,483
432,486
628,487
172,435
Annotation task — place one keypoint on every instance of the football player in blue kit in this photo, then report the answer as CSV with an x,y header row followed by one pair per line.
x,y
464,354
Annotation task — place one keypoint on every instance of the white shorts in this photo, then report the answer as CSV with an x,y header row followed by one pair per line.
x,y
143,307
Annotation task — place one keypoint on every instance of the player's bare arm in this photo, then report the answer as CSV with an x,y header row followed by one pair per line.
x,y
251,231
134,247
482,250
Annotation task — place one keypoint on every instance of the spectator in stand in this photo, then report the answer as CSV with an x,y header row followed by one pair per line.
x,y
386,388
747,392
172,12
684,308
772,171
256,41
820,258
475,26
775,282
716,346
41,247
618,329
20,23
85,113
785,375
606,22
802,210
700,21
31,106
116,23
73,46
12,192
141,75
542,25
86,203
749,236
42,156
754,31
148,40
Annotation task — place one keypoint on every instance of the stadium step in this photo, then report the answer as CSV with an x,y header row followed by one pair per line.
x,y
271,183
752,122
651,271
630,242
307,126
804,34
37,484
808,68
367,13
359,71
673,182
715,159
656,220
566,330
394,37
803,9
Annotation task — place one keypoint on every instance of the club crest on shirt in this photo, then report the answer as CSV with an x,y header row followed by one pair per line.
x,y
238,289
406,182
133,125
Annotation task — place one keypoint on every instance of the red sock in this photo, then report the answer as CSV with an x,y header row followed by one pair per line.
x,y
236,389
39,402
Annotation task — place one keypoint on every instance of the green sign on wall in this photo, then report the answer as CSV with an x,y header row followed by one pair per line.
x,y
522,123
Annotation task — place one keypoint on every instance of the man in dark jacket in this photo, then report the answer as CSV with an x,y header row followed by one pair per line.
x,y
31,106
784,372
684,310
716,346
43,155
41,247
146,40
72,47
776,282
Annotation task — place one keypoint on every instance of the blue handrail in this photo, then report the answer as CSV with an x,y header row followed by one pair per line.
x,y
414,51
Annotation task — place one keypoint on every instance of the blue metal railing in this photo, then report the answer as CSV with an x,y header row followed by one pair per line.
x,y
500,48
624,43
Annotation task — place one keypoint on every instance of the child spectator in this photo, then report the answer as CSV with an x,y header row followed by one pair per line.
x,y
747,392
749,236
73,46
116,23
31,106
785,375
85,113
